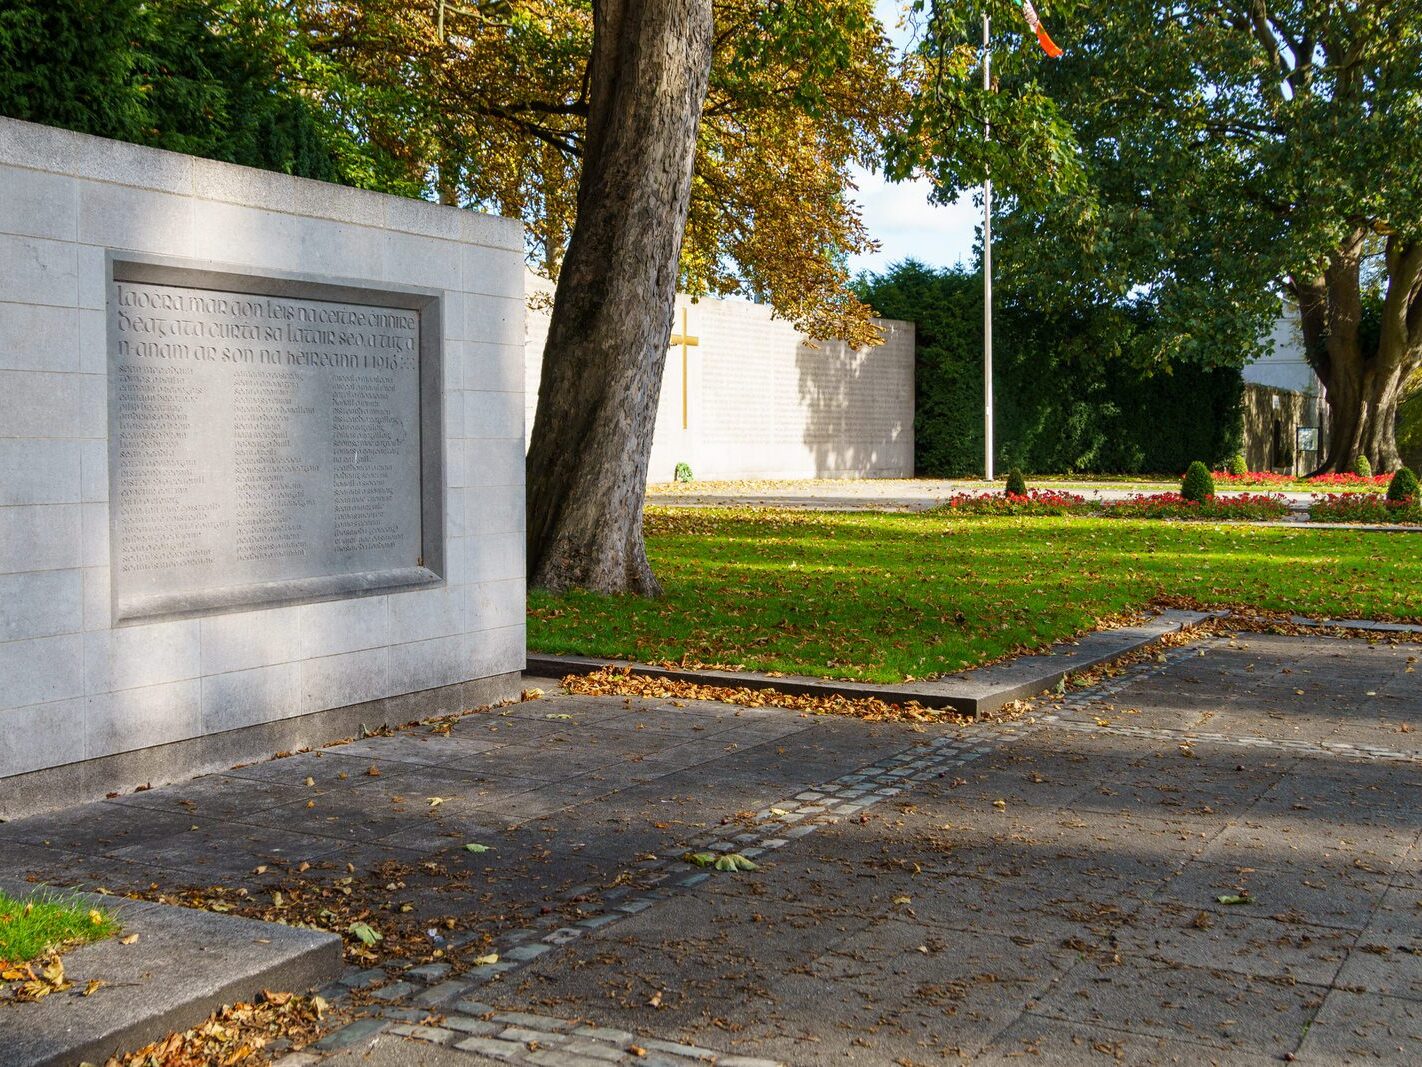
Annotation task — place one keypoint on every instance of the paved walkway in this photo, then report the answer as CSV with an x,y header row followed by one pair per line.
x,y
1049,888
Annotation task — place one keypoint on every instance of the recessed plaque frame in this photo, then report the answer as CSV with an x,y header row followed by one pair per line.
x,y
237,589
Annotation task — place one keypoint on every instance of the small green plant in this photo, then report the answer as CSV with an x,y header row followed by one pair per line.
x,y
683,472
47,923
1198,484
1361,467
1403,486
1016,484
1238,466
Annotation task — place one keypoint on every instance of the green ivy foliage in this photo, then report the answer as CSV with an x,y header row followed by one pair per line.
x,y
1069,398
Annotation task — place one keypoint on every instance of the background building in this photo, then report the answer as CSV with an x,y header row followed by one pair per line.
x,y
1281,396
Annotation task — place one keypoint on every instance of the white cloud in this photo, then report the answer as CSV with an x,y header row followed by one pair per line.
x,y
900,216
907,226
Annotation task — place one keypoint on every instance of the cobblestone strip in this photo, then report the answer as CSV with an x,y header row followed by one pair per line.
x,y
419,993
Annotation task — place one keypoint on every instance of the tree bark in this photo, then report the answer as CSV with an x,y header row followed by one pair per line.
x,y
612,310
1362,388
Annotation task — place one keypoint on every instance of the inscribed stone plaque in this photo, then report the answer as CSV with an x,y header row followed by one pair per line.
x,y
262,448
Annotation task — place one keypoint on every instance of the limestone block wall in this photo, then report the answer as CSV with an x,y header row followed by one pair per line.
x,y
761,402
75,687
1272,418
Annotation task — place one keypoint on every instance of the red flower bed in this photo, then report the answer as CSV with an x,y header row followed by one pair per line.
x,y
1036,502
1355,482
1174,506
1358,507
1255,478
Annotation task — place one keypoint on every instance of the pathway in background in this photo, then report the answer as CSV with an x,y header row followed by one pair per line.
x,y
890,494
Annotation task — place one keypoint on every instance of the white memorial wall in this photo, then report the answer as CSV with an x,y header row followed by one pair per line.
x,y
261,463
758,401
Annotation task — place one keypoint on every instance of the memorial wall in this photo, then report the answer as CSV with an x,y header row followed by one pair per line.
x,y
261,472
746,395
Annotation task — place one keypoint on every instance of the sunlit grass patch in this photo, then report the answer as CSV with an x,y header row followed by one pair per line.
x,y
882,597
30,928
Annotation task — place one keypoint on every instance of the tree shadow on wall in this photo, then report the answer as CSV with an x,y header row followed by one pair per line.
x,y
858,405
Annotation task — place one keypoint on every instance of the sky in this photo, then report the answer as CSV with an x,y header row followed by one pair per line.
x,y
899,215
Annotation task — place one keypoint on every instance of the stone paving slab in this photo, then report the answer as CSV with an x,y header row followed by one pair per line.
x,y
184,965
1046,887
1103,887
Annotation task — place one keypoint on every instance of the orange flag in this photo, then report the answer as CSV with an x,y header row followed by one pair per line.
x,y
1048,45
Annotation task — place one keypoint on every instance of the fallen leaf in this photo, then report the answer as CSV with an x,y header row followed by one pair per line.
x,y
366,933
472,847
484,961
128,939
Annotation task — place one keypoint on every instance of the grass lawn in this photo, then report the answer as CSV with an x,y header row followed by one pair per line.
x,y
30,928
882,596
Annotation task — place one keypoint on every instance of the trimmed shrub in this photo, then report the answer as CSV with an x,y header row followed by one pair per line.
x,y
1016,484
1362,468
1198,484
683,472
1403,486
1237,466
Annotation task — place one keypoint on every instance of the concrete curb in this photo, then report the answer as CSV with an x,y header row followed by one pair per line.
x,y
977,693
184,965
1365,625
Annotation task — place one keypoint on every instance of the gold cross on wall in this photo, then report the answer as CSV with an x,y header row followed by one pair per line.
x,y
686,341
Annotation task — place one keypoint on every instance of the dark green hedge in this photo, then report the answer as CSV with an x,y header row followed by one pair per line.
x,y
1068,397
192,76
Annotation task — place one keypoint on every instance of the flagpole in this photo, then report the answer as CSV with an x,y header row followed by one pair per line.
x,y
987,267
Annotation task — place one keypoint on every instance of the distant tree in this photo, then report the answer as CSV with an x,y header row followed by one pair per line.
x,y
1206,159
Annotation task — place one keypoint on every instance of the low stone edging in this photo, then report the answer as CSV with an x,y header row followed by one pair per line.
x,y
978,693
185,965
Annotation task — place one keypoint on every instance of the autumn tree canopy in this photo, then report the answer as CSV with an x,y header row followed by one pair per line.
x,y
493,114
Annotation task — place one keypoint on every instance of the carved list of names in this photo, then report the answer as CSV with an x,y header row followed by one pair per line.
x,y
257,439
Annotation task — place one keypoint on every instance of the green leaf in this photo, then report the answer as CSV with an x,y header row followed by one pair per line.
x,y
701,859
736,862
367,934
472,847
1235,898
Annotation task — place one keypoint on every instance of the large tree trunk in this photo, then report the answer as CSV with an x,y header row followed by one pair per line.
x,y
1363,388
612,312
